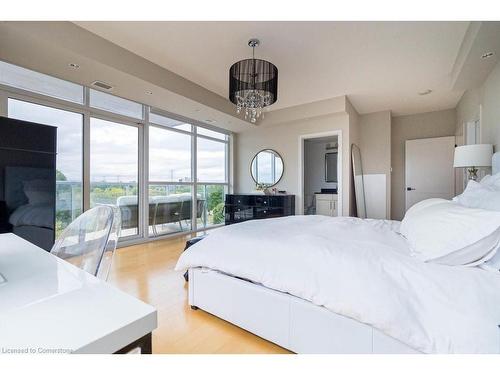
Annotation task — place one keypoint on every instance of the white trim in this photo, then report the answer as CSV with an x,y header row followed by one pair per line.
x,y
299,204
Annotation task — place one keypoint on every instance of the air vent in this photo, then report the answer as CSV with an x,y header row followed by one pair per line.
x,y
102,85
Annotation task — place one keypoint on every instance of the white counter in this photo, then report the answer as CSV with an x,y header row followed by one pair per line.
x,y
49,304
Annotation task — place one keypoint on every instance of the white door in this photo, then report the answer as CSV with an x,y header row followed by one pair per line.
x,y
429,169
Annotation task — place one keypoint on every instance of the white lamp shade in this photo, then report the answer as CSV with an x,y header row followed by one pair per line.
x,y
473,156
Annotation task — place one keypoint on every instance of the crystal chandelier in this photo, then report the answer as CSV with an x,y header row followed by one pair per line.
x,y
253,85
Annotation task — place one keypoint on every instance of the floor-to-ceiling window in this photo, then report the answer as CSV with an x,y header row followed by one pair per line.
x,y
111,150
212,175
187,163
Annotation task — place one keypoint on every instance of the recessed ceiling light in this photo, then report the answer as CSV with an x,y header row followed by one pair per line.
x,y
487,54
426,92
149,92
74,66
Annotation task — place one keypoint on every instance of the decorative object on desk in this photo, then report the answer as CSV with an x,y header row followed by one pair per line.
x,y
262,188
253,84
359,186
96,231
266,168
472,157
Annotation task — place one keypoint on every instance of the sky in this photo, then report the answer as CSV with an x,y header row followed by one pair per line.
x,y
114,148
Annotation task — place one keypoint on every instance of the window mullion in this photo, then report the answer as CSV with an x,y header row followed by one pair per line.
x,y
145,173
194,178
86,154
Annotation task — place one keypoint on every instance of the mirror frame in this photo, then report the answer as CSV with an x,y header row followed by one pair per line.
x,y
336,167
282,162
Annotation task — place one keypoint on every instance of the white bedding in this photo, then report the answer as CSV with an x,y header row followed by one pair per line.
x,y
361,269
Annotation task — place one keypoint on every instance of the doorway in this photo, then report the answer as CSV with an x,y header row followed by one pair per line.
x,y
429,171
320,174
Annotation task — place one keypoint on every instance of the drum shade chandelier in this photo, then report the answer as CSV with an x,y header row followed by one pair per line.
x,y
253,85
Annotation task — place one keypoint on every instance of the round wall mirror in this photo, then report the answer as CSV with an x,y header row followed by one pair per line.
x,y
267,168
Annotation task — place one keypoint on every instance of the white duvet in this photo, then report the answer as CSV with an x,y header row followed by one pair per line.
x,y
361,269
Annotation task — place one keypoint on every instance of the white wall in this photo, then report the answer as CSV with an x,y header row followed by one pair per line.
x,y
375,146
284,138
354,138
482,103
490,109
314,168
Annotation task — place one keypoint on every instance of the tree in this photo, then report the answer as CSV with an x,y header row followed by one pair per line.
x,y
218,213
60,176
215,197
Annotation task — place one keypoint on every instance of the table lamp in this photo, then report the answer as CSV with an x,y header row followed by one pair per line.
x,y
472,157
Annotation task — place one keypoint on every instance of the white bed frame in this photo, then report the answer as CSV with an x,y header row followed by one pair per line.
x,y
291,322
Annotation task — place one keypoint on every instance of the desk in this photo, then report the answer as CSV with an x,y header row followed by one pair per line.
x,y
50,306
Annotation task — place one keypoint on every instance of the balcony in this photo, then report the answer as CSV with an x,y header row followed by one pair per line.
x,y
169,209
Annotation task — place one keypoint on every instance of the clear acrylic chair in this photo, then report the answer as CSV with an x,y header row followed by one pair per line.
x,y
90,240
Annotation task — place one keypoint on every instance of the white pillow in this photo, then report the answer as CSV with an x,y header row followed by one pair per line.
x,y
445,232
479,195
491,181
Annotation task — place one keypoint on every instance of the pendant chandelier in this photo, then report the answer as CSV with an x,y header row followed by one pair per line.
x,y
253,85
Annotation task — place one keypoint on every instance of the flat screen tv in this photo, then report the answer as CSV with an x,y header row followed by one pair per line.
x,y
28,181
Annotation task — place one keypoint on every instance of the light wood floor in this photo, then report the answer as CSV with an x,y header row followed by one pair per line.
x,y
147,272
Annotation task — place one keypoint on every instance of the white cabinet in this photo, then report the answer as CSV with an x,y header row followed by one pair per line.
x,y
326,204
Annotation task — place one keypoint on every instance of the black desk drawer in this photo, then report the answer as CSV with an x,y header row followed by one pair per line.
x,y
261,201
243,200
268,212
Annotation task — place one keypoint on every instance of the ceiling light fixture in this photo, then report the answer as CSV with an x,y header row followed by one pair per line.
x,y
426,92
253,84
149,92
487,54
74,66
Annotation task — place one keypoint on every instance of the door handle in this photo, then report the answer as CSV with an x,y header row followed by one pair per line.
x,y
410,189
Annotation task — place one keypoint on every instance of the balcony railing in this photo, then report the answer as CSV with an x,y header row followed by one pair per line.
x,y
169,210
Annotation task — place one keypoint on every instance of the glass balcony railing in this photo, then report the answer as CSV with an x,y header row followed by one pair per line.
x,y
169,211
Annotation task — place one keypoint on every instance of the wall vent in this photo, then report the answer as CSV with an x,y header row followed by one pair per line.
x,y
102,85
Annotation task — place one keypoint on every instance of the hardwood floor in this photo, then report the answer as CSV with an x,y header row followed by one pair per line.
x,y
147,272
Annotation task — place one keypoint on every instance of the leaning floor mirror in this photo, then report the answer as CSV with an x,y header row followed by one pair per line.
x,y
359,189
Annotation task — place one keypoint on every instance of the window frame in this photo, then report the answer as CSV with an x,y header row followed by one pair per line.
x,y
143,125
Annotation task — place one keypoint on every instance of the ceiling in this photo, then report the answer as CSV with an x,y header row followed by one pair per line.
x,y
379,65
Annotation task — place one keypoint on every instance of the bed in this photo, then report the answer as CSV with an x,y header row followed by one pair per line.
x,y
314,284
